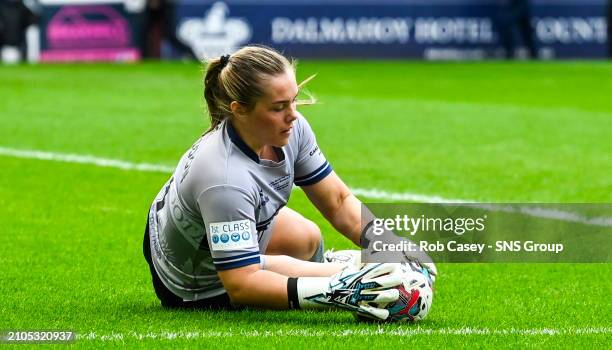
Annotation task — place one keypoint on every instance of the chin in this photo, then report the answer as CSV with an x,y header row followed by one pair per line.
x,y
282,143
283,140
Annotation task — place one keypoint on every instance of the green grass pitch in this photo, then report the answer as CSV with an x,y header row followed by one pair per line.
x,y
70,234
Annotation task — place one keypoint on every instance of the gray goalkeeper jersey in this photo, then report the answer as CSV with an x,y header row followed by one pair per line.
x,y
216,211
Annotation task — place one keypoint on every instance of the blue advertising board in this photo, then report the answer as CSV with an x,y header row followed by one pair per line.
x,y
431,29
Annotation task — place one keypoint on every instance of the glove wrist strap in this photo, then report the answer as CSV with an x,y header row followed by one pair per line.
x,y
292,293
306,288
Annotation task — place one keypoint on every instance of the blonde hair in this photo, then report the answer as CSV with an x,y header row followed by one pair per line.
x,y
240,78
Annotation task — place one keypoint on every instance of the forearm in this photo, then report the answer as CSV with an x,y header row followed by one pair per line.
x,y
339,206
253,286
261,288
291,267
347,218
271,290
268,287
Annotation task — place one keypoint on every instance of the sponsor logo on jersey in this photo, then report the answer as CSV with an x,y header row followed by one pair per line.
x,y
314,150
281,183
228,227
231,235
224,238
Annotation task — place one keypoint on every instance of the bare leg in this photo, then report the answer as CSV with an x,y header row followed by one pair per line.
x,y
294,235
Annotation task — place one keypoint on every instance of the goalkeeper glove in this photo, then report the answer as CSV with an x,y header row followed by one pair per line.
x,y
351,289
428,270
353,258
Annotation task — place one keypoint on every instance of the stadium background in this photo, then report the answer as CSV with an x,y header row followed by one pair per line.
x,y
84,148
60,30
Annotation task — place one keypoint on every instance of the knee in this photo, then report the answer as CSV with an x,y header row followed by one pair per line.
x,y
299,238
312,234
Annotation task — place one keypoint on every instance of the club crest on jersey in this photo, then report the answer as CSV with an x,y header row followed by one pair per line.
x,y
230,235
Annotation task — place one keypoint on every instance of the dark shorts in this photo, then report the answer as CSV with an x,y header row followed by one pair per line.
x,y
171,300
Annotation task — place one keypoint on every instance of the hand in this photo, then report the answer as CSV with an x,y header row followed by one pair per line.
x,y
351,258
429,270
353,289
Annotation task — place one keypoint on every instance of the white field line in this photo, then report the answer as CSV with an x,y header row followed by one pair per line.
x,y
530,210
84,159
371,193
402,332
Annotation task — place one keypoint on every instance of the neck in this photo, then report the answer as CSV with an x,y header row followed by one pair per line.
x,y
250,141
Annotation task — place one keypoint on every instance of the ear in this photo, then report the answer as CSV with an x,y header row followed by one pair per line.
x,y
238,110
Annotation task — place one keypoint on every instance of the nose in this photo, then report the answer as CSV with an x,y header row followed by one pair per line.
x,y
292,115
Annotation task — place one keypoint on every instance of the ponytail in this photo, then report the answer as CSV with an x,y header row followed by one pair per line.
x,y
214,94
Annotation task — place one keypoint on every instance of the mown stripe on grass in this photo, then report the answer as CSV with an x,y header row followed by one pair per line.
x,y
118,336
371,193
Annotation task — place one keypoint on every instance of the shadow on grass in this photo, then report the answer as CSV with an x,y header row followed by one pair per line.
x,y
243,316
254,318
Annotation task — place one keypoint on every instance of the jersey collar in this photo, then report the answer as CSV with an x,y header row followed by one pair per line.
x,y
233,135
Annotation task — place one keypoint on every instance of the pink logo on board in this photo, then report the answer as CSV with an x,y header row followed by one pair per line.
x,y
89,33
88,26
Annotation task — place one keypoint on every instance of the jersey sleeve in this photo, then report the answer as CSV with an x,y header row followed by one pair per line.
x,y
229,220
310,165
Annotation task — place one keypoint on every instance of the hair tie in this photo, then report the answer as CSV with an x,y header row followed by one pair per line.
x,y
224,60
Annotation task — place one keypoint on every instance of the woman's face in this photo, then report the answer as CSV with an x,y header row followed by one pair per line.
x,y
270,121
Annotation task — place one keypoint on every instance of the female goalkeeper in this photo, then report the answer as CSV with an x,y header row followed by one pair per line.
x,y
219,233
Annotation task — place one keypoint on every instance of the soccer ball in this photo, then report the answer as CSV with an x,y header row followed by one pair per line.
x,y
415,298
415,293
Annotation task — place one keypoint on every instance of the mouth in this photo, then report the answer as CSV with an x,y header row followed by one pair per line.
x,y
286,131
